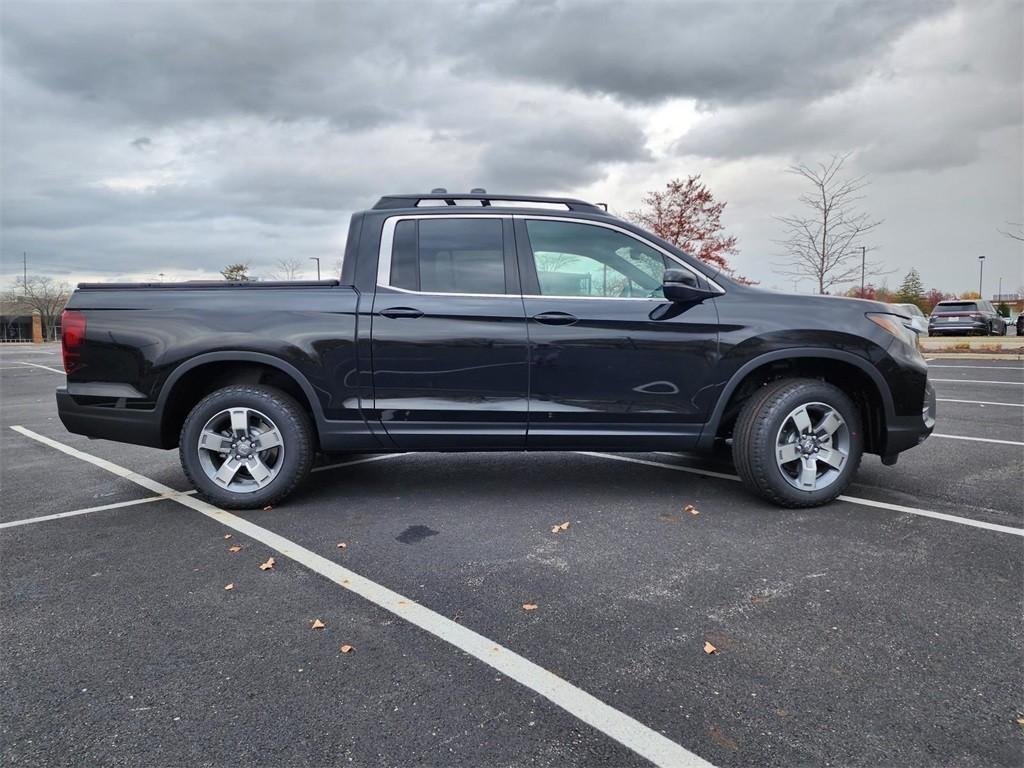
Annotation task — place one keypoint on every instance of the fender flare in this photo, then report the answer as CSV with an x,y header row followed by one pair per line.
x,y
241,357
711,427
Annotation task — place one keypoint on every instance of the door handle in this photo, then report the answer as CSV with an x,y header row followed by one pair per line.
x,y
555,318
401,312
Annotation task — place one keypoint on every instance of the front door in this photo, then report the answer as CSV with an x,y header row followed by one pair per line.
x,y
612,363
449,343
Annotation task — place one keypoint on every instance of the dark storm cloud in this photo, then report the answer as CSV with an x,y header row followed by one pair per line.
x,y
716,52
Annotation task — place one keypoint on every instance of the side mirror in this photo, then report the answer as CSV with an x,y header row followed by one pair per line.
x,y
680,286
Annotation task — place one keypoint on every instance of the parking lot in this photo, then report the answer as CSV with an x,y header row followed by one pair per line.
x,y
884,629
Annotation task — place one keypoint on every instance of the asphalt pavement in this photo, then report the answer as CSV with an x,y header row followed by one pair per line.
x,y
884,629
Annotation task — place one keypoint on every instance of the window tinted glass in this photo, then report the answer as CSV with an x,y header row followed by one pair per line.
x,y
956,306
449,256
585,260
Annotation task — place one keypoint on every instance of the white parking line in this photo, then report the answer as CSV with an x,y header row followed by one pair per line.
x,y
619,726
978,381
88,510
37,365
358,461
977,402
851,499
977,367
978,439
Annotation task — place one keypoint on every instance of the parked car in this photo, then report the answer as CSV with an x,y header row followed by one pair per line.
x,y
917,319
494,323
966,318
1020,324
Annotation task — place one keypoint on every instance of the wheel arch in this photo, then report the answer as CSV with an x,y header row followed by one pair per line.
x,y
862,381
194,379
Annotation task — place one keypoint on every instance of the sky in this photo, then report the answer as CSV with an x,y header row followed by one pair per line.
x,y
149,140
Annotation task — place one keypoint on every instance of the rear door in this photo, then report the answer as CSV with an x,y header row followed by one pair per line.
x,y
613,364
448,336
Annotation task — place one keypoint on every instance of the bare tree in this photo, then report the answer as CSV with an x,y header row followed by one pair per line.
x,y
287,269
825,242
43,295
1014,235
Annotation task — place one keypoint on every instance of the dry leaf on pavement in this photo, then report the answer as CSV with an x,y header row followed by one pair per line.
x,y
235,548
229,586
560,527
227,535
709,648
691,509
529,606
347,648
267,565
317,624
342,545
268,508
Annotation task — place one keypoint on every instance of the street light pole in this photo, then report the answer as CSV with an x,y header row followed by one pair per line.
x,y
863,267
317,260
981,275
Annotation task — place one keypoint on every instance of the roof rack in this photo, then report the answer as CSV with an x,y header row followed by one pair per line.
x,y
454,198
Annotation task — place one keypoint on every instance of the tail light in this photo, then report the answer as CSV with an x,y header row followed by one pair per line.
x,y
72,336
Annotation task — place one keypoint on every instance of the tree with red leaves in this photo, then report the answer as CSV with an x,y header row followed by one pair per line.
x,y
686,214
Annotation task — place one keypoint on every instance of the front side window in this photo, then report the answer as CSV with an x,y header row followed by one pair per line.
x,y
440,255
585,260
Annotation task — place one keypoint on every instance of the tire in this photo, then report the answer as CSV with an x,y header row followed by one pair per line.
x,y
256,476
765,423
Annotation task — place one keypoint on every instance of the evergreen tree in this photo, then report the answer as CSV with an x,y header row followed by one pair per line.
x,y
911,290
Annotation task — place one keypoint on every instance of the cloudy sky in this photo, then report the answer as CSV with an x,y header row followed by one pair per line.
x,y
141,138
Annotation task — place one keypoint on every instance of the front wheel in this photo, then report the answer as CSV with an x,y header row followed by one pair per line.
x,y
246,446
798,442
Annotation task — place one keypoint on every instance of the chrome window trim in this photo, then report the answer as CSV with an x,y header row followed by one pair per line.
x,y
387,239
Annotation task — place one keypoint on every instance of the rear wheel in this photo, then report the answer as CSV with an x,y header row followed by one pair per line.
x,y
798,442
246,446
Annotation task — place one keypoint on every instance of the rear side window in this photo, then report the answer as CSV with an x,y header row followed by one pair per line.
x,y
448,256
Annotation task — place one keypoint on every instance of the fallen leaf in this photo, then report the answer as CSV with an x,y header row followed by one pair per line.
x,y
529,607
560,527
709,648
235,548
267,565
342,545
722,739
317,624
227,535
1020,721
691,509
347,649
268,508
229,586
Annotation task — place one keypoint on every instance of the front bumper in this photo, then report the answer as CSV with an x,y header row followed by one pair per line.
x,y
125,425
904,432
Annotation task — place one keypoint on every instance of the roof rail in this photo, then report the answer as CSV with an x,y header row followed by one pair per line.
x,y
486,199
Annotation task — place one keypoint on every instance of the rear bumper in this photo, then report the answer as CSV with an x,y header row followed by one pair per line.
x,y
904,432
974,326
125,425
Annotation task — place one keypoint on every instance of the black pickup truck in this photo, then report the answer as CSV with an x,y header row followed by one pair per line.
x,y
478,322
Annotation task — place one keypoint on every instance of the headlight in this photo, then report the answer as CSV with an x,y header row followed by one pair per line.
x,y
898,326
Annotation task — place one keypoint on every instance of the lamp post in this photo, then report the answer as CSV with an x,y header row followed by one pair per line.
x,y
317,260
981,275
863,267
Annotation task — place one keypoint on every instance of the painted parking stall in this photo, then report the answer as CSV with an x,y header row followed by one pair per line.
x,y
813,614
